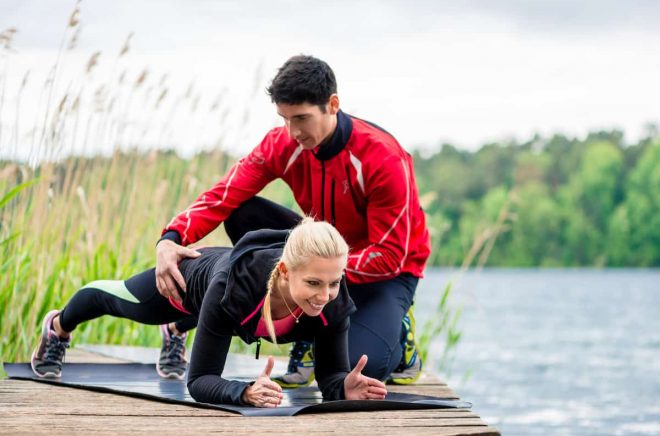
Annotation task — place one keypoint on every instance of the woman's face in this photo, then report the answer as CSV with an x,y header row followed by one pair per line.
x,y
315,283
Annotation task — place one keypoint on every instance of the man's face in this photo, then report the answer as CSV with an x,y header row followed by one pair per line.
x,y
307,124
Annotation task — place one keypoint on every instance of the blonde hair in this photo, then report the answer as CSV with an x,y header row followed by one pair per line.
x,y
307,240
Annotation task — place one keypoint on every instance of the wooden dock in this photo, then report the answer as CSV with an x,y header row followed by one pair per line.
x,y
27,407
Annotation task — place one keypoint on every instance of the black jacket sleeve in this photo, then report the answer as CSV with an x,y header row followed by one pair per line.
x,y
331,359
209,353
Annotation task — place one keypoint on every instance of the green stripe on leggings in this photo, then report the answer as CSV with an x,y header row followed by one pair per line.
x,y
115,287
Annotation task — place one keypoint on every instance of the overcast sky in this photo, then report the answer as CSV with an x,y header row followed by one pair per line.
x,y
465,72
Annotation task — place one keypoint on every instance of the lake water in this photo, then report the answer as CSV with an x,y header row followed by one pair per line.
x,y
555,351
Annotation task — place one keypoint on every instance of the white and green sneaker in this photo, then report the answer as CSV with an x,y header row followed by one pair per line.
x,y
300,372
410,367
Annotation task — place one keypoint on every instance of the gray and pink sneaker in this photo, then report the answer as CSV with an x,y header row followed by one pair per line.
x,y
172,362
47,358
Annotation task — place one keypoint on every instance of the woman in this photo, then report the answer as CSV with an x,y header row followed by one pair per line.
x,y
268,285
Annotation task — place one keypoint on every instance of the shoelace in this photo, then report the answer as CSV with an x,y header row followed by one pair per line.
x,y
296,354
176,350
55,349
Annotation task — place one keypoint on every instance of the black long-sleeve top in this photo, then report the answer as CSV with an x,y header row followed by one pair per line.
x,y
225,286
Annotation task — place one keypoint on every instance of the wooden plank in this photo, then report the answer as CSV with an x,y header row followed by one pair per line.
x,y
28,407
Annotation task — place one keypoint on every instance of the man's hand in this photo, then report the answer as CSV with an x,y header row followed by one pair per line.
x,y
264,392
361,387
168,256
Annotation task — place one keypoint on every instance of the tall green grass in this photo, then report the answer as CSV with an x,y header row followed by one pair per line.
x,y
84,219
66,220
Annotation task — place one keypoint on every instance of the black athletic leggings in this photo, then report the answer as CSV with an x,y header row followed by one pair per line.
x,y
136,299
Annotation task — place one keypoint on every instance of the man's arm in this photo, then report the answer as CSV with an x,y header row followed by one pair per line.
x,y
245,178
390,197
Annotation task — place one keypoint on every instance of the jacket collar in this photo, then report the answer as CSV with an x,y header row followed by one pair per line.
x,y
338,140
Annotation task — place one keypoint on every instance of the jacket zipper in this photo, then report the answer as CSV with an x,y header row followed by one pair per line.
x,y
258,347
332,204
322,190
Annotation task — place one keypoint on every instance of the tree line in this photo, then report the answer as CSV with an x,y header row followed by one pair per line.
x,y
547,202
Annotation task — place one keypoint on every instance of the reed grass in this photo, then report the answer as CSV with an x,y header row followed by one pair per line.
x,y
69,215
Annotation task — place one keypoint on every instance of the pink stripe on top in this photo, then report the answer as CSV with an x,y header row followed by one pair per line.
x,y
254,312
177,305
282,326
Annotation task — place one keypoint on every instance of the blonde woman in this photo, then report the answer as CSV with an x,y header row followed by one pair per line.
x,y
275,284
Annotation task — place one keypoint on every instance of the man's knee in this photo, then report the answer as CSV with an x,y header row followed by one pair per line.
x,y
382,356
376,367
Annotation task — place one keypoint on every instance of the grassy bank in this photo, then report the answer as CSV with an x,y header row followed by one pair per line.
x,y
85,219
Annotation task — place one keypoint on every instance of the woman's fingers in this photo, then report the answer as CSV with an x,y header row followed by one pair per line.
x,y
376,383
266,393
359,366
270,362
270,391
372,390
269,398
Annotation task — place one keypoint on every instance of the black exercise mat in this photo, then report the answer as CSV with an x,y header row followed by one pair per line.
x,y
142,381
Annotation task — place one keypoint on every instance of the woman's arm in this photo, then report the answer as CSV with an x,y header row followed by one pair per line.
x,y
331,360
212,340
209,354
332,369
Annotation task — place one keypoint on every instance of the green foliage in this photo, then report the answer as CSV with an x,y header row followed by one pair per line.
x,y
637,221
66,224
591,202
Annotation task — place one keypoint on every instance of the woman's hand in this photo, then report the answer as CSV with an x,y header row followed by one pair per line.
x,y
168,256
264,392
361,387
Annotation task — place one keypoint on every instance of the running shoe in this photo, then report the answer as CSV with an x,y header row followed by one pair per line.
x,y
47,358
410,367
300,372
172,362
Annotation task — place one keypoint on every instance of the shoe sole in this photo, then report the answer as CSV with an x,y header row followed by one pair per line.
x,y
286,385
170,376
404,381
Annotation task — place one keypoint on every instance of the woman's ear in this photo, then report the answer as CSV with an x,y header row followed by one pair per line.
x,y
283,271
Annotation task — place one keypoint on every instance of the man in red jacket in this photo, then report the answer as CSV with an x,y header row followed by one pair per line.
x,y
343,170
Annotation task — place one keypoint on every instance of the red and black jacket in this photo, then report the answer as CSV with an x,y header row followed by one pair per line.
x,y
361,181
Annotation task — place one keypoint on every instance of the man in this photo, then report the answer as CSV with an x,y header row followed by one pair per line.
x,y
343,170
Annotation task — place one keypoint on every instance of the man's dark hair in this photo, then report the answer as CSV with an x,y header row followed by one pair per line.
x,y
303,79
